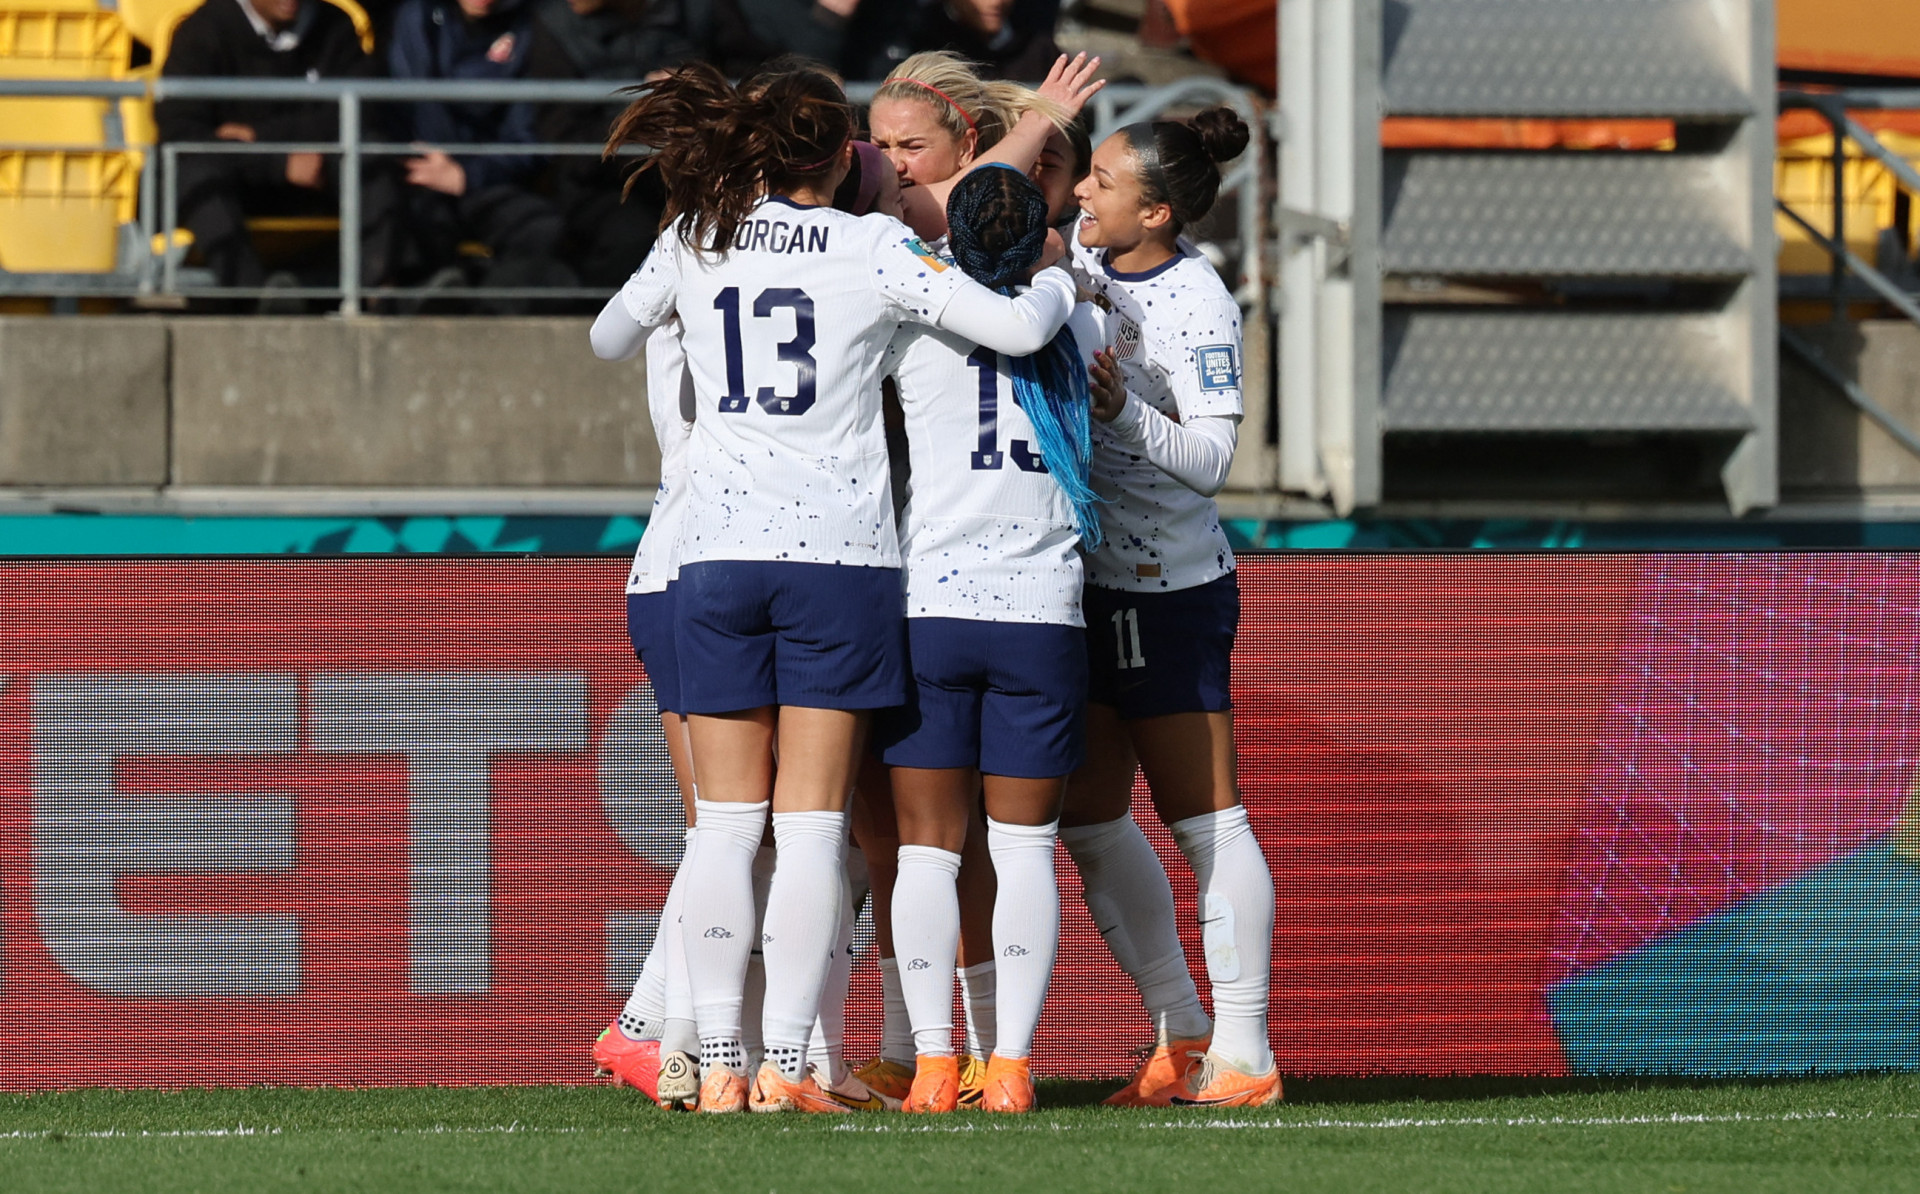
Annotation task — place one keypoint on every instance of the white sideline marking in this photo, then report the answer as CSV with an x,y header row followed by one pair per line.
x,y
1518,1121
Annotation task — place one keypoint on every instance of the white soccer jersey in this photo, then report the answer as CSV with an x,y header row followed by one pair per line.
x,y
988,535
784,336
1175,332
656,562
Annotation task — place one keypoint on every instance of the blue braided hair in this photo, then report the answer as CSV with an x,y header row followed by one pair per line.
x,y
996,228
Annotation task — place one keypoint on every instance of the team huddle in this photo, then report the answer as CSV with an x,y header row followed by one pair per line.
x,y
962,647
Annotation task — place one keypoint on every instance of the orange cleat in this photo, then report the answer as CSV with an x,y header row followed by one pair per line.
x,y
1007,1086
723,1092
936,1085
973,1078
1161,1076
1214,1083
772,1092
852,1093
889,1079
627,1061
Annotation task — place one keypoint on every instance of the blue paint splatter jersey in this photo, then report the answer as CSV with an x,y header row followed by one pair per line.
x,y
1175,331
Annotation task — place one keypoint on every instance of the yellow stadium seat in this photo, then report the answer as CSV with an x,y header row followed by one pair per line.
x,y
62,212
62,39
67,184
1803,179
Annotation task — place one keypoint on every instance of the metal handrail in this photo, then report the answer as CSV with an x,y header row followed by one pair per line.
x,y
1834,106
1114,107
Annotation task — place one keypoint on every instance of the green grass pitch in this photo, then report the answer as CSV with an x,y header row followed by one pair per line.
x,y
1854,1134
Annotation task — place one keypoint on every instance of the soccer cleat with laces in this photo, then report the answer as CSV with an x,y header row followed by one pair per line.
x,y
853,1094
723,1092
936,1085
1007,1085
973,1077
888,1079
1214,1083
1161,1076
677,1082
627,1061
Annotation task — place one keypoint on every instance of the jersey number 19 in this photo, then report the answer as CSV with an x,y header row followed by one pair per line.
x,y
989,456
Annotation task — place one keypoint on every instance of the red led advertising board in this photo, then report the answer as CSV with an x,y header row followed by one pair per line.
x,y
411,821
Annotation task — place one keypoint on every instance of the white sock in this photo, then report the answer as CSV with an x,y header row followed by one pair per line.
x,y
896,1027
976,997
1236,930
681,1033
1132,905
644,1016
826,1051
1026,929
717,924
926,935
803,919
753,992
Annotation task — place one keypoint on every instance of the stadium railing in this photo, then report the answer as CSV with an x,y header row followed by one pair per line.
x,y
1836,107
153,271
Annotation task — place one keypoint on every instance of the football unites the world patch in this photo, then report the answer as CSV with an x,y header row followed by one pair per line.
x,y
925,252
1217,370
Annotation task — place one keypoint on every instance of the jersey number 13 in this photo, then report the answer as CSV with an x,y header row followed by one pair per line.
x,y
796,352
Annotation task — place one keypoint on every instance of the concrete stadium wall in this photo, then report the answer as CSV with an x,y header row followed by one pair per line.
x,y
318,402
522,404
1828,447
83,402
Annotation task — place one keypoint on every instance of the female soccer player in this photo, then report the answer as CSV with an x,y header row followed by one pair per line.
x,y
1162,606
1000,453
936,119
658,1016
789,622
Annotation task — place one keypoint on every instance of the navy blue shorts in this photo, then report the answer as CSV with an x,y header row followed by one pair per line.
x,y
1007,697
650,629
776,632
1152,654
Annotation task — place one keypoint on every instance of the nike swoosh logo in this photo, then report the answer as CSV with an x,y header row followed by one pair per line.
x,y
1105,931
872,1102
1212,919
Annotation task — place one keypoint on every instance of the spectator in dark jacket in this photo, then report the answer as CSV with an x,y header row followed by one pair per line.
x,y
743,35
1010,39
618,41
264,39
454,197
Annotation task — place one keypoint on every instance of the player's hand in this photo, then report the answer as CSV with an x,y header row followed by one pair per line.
x,y
1104,386
1071,83
234,131
1052,252
437,172
303,170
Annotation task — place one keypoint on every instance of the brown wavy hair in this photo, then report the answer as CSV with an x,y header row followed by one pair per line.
x,y
720,149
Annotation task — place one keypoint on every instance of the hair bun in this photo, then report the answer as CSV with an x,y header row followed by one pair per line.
x,y
1222,133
